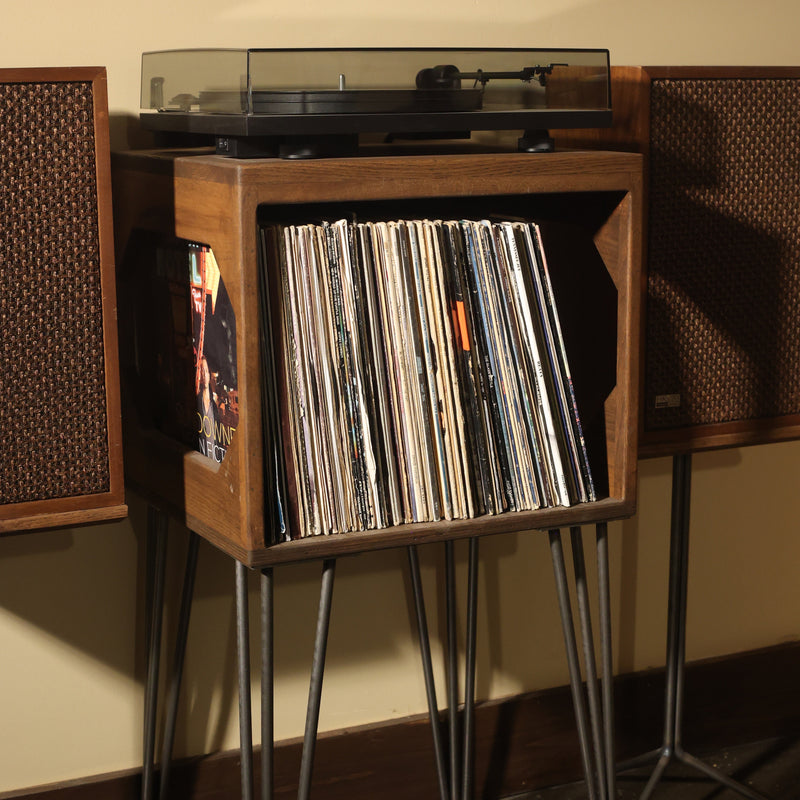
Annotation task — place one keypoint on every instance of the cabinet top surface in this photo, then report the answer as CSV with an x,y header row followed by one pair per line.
x,y
186,161
374,174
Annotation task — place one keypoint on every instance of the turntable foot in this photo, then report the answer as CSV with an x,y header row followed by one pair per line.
x,y
297,147
535,141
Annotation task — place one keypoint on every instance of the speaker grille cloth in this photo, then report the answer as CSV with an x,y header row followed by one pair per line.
x,y
52,374
723,306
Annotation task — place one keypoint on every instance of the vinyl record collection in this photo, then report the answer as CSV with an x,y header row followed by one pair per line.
x,y
414,371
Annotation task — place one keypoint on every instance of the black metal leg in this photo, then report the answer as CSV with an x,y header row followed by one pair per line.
x,y
177,667
469,681
243,655
676,627
151,538
267,685
317,672
427,669
590,664
573,663
156,565
676,644
452,668
457,784
607,657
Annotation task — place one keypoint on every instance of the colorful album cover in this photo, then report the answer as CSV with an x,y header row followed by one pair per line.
x,y
214,355
181,370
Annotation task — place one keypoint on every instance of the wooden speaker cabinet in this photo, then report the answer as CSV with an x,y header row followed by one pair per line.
x,y
721,339
60,409
217,202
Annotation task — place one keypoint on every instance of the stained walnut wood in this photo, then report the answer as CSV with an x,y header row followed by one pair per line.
x,y
214,200
631,132
110,504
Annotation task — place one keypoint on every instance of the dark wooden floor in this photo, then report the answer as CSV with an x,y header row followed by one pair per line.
x,y
771,768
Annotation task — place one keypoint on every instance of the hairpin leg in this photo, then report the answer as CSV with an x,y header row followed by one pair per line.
x,y
427,669
317,672
590,665
452,667
469,681
243,653
177,667
157,523
573,663
457,785
267,685
607,657
676,645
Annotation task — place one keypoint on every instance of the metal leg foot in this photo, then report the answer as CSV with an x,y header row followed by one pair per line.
x,y
676,641
719,776
661,765
642,760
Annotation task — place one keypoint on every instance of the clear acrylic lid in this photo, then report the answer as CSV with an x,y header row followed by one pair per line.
x,y
337,81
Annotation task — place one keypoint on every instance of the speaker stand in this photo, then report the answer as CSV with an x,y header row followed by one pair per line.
x,y
672,747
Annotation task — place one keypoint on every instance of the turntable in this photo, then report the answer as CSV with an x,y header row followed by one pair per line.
x,y
308,103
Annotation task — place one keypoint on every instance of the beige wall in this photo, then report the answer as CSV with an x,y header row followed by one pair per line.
x,y
70,601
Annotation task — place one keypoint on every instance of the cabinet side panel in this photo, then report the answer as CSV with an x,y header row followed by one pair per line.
x,y
210,497
618,241
225,220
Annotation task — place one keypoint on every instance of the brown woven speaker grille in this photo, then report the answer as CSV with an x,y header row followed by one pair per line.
x,y
723,307
53,409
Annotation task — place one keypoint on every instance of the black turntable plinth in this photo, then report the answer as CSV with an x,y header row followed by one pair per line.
x,y
311,103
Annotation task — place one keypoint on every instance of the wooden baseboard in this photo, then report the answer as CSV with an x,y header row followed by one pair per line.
x,y
522,743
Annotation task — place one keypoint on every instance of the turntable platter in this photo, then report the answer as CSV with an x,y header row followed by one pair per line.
x,y
358,101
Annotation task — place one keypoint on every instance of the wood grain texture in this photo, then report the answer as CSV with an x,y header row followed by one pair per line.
x,y
216,201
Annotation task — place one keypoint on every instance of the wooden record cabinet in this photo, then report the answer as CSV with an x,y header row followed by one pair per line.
x,y
216,201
